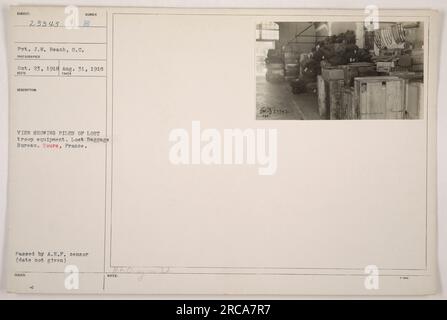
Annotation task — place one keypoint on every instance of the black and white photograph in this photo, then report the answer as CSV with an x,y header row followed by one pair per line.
x,y
139,159
339,70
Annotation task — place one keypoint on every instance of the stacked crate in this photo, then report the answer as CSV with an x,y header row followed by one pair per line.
x,y
334,93
329,86
358,69
374,97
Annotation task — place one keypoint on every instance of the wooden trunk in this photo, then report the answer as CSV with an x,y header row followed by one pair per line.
x,y
380,97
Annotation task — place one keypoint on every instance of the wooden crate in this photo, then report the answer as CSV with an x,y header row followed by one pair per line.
x,y
417,68
358,69
333,73
380,97
341,101
407,75
349,72
417,56
336,100
385,66
414,103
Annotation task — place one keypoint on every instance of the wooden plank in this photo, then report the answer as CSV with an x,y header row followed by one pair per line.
x,y
415,100
362,98
350,73
322,89
376,100
349,108
395,99
357,98
336,88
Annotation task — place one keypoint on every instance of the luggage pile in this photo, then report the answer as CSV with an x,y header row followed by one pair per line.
x,y
275,65
333,51
340,50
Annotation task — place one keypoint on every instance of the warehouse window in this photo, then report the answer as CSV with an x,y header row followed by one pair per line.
x,y
267,31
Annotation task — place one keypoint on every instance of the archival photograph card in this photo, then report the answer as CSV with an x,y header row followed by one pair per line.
x,y
193,151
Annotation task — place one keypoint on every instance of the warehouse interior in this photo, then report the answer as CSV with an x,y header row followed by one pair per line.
x,y
339,70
